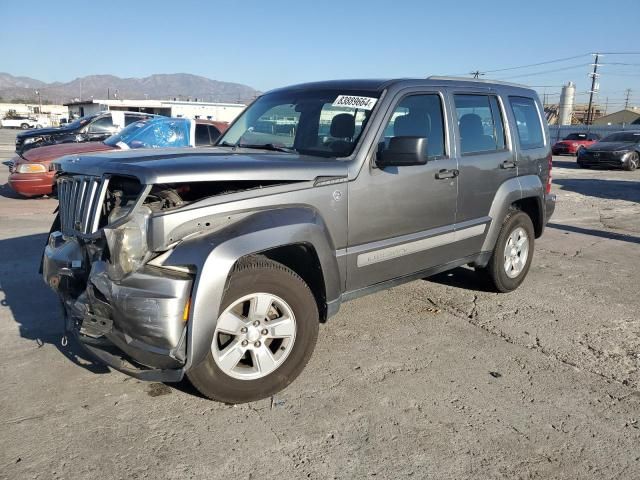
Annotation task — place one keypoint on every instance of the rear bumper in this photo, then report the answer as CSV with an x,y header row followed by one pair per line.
x,y
549,206
30,184
134,325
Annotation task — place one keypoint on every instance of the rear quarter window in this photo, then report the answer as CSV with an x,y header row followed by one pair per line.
x,y
528,122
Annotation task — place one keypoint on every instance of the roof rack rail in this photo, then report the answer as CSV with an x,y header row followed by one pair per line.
x,y
476,80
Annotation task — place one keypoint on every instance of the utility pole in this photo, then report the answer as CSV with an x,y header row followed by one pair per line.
x,y
476,74
39,102
626,100
594,77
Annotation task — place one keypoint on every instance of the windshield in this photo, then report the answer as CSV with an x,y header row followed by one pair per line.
x,y
324,123
155,133
576,136
630,137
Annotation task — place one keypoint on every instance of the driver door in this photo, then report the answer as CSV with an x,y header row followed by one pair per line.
x,y
401,219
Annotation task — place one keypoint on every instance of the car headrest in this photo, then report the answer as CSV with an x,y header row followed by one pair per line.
x,y
412,125
471,125
343,125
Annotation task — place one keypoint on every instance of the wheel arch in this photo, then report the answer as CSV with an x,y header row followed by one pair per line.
x,y
519,192
289,235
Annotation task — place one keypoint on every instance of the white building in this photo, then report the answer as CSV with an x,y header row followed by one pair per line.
x,y
221,112
52,112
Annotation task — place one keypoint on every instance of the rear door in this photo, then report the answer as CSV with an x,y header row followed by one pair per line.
x,y
486,159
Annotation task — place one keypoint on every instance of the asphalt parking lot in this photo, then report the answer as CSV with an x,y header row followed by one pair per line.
x,y
434,379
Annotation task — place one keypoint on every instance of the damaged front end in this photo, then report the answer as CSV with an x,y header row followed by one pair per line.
x,y
129,313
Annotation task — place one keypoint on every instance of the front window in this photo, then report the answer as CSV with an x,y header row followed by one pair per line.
x,y
153,134
325,123
627,137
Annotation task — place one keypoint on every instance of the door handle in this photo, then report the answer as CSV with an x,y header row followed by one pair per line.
x,y
444,173
508,164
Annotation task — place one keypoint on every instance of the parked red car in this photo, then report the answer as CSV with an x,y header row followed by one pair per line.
x,y
570,144
32,173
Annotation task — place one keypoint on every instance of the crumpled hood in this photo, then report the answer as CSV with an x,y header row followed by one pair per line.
x,y
153,166
611,146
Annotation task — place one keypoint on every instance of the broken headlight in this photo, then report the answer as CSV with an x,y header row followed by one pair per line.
x,y
128,244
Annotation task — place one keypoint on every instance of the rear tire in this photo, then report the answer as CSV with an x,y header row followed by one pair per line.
x,y
254,279
24,126
512,253
632,162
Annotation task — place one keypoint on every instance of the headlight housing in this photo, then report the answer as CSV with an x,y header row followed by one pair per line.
x,y
31,168
30,140
128,244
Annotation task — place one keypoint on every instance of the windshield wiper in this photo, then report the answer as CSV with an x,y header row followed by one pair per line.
x,y
266,146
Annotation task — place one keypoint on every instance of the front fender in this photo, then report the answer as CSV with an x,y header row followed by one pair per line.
x,y
214,253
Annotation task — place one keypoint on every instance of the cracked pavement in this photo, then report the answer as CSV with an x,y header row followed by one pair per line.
x,y
433,379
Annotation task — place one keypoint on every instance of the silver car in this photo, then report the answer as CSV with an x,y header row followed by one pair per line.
x,y
220,263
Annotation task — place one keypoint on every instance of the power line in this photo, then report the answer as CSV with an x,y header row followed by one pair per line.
x,y
546,71
537,64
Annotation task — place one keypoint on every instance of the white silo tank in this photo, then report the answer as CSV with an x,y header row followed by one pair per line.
x,y
567,97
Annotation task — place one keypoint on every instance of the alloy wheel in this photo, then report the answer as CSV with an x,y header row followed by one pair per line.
x,y
254,336
516,251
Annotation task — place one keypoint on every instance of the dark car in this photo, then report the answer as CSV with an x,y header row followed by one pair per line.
x,y
92,128
618,150
572,143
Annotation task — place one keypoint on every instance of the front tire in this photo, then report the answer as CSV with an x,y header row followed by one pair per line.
x,y
512,253
264,336
24,126
632,162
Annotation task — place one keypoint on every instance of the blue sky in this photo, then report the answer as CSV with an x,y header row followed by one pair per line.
x,y
275,43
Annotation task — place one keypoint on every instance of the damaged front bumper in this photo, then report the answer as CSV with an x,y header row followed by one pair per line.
x,y
137,325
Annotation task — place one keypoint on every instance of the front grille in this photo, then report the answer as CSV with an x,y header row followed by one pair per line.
x,y
80,199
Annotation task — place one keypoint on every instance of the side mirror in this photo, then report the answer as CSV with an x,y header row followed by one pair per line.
x,y
402,152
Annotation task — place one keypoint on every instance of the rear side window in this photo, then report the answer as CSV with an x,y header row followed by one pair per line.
x,y
528,122
480,123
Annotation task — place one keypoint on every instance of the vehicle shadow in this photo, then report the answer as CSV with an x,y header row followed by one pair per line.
x,y
628,190
566,164
7,192
461,277
31,303
596,233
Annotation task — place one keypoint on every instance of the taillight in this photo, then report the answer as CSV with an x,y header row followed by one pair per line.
x,y
550,162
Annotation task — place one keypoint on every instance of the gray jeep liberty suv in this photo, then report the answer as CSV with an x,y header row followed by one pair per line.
x,y
220,263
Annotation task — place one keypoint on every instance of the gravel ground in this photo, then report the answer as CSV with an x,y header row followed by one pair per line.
x,y
434,379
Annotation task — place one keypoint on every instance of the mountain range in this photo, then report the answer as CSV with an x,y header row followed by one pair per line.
x,y
181,86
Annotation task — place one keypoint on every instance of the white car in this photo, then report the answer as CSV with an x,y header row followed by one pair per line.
x,y
23,122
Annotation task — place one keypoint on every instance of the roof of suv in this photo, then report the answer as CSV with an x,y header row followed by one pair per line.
x,y
381,84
